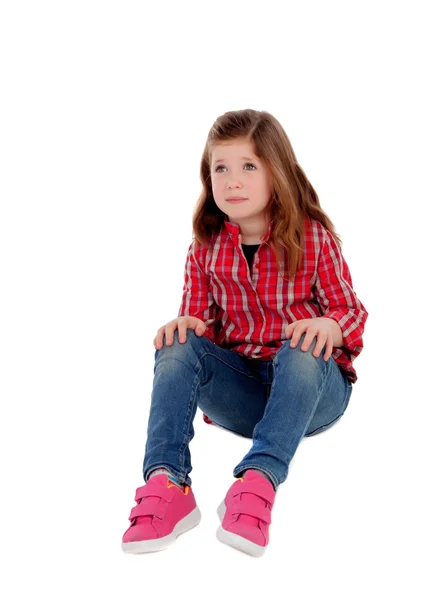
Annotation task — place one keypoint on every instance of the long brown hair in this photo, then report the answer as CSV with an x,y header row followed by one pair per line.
x,y
292,198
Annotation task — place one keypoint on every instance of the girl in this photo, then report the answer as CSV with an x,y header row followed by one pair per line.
x,y
264,341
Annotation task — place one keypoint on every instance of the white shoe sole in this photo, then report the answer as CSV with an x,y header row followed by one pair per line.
x,y
190,521
234,540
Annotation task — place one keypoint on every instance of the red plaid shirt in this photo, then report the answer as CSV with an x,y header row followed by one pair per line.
x,y
248,312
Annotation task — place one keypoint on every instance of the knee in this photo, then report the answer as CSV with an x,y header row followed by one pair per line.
x,y
298,348
300,359
178,348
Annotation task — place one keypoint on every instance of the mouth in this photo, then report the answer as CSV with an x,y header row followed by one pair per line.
x,y
236,200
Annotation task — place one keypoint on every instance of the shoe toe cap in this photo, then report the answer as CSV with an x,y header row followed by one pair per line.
x,y
139,533
253,532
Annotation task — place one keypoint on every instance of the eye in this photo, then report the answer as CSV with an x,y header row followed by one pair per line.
x,y
222,166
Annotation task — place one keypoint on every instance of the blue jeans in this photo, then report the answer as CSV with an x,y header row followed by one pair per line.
x,y
276,402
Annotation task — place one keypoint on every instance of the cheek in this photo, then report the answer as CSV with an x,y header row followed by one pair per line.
x,y
217,196
217,189
266,189
214,184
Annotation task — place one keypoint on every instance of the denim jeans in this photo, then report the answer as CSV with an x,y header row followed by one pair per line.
x,y
275,402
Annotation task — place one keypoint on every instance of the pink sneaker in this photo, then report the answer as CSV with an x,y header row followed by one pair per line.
x,y
163,512
245,514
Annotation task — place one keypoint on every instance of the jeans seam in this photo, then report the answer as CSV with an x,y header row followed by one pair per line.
x,y
232,430
188,419
324,376
324,373
323,427
249,375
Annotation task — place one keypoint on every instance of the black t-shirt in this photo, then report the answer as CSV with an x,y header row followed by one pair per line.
x,y
249,252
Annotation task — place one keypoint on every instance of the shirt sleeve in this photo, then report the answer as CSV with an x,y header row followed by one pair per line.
x,y
336,297
197,300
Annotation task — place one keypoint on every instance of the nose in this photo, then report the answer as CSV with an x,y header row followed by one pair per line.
x,y
231,185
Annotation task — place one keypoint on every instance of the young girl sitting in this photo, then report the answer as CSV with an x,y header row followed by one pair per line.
x,y
264,341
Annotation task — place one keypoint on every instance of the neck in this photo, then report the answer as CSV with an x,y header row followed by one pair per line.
x,y
250,240
252,233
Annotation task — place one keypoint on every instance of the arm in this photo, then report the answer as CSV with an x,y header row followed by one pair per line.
x,y
337,299
197,300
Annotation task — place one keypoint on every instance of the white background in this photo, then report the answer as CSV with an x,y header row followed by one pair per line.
x,y
105,110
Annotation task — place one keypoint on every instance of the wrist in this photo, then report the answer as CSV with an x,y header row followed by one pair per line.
x,y
336,332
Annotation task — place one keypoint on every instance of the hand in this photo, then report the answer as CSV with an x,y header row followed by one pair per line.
x,y
182,324
319,327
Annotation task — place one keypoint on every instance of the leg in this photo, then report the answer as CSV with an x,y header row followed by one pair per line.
x,y
198,372
303,386
237,400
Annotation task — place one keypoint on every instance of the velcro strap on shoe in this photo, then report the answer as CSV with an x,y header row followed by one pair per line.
x,y
145,508
260,512
263,491
154,489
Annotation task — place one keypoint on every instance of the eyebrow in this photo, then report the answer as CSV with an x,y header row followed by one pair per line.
x,y
243,158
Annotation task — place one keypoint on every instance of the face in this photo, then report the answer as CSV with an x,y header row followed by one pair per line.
x,y
237,171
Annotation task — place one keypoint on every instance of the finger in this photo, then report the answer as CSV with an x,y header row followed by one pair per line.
x,y
159,339
310,334
299,330
182,333
328,348
157,342
321,341
297,333
200,329
290,329
170,335
327,355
